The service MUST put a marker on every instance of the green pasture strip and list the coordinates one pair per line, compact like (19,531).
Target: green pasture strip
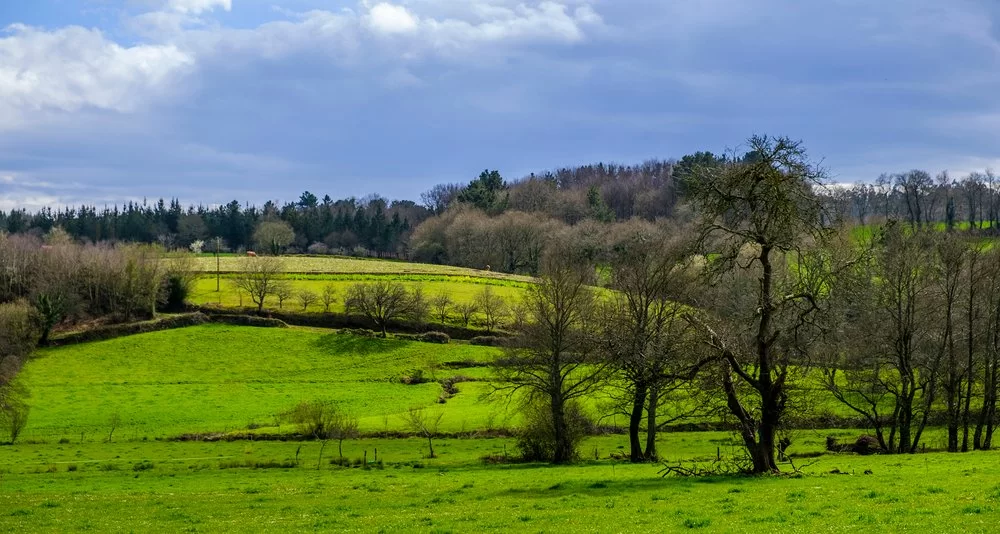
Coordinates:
(349,265)
(170,487)
(460,291)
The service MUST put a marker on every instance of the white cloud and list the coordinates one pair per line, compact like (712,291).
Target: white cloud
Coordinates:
(74,68)
(29,201)
(390,18)
(196,7)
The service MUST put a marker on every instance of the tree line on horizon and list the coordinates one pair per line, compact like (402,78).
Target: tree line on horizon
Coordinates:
(450,219)
(755,282)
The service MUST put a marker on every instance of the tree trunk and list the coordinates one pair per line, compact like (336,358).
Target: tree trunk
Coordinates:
(635,422)
(653,404)
(563,452)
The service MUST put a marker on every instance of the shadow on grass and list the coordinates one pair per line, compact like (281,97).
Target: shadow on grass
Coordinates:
(338,344)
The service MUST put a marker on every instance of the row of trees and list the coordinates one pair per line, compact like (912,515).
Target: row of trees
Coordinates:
(760,297)
(380,301)
(920,199)
(373,224)
(43,285)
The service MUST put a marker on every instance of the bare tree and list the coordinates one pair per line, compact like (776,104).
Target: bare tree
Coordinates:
(328,297)
(916,186)
(442,305)
(324,421)
(283,291)
(552,360)
(493,308)
(467,310)
(257,277)
(759,213)
(642,330)
(424,424)
(889,375)
(306,298)
(383,301)
(114,421)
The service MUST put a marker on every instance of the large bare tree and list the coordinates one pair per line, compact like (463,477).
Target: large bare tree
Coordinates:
(759,214)
(552,360)
(259,278)
(382,301)
(642,331)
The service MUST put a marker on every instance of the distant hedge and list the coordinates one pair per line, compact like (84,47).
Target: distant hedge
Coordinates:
(249,320)
(111,331)
(342,321)
(489,341)
(101,333)
(427,337)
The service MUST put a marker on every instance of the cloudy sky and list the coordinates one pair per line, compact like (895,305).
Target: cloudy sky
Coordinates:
(214,100)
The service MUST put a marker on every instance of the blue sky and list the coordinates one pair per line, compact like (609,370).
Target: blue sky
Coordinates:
(213,100)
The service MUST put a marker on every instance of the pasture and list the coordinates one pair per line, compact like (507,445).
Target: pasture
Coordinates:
(349,265)
(460,289)
(256,486)
(64,473)
(216,378)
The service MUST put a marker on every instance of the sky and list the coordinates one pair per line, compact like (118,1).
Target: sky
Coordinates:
(104,101)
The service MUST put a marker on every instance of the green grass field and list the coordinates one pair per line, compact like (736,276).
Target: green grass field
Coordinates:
(217,378)
(460,289)
(170,487)
(63,474)
(348,265)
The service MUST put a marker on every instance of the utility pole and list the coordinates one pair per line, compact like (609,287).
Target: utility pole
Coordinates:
(218,268)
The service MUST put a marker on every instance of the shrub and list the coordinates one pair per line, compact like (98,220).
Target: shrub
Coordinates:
(435,337)
(249,320)
(144,465)
(488,341)
(363,332)
(176,288)
(415,377)
(536,437)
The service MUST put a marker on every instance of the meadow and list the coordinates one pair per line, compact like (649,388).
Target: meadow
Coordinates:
(258,486)
(460,289)
(349,265)
(64,473)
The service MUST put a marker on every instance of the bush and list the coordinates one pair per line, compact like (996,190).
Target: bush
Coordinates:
(249,320)
(489,341)
(362,332)
(144,465)
(536,437)
(435,337)
(415,377)
(176,288)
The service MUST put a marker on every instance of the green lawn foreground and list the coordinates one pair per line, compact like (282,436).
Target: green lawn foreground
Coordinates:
(200,487)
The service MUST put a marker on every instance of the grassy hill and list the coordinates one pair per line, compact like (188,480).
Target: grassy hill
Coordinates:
(217,378)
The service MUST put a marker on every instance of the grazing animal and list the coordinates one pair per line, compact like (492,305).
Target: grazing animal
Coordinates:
(251,253)
(487,267)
